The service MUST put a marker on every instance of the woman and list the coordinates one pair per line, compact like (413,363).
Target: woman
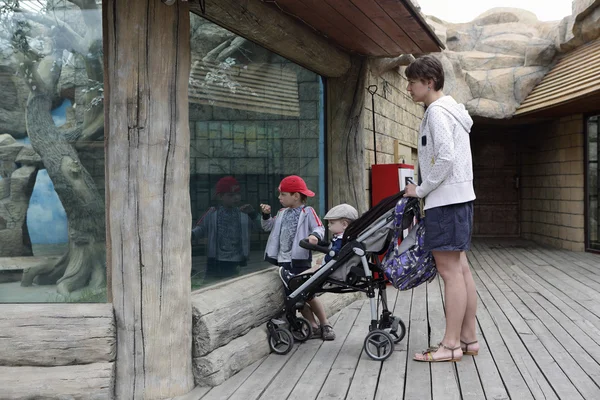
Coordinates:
(446,169)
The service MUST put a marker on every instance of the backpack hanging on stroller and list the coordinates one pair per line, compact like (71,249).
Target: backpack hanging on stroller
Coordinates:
(408,265)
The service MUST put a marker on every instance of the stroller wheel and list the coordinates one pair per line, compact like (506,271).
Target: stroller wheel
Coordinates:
(301,329)
(397,332)
(379,345)
(281,341)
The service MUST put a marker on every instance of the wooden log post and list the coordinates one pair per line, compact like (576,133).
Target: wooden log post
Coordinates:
(348,178)
(147,54)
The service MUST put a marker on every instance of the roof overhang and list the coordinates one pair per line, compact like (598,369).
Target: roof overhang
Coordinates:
(377,28)
(571,86)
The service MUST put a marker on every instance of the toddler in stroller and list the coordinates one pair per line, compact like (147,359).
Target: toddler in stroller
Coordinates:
(355,267)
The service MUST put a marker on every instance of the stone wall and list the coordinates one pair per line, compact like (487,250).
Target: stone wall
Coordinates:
(397,121)
(552,193)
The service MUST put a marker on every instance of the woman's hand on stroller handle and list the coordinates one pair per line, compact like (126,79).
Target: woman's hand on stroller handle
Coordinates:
(410,190)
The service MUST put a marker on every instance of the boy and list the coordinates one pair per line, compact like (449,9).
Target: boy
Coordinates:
(294,222)
(228,227)
(339,217)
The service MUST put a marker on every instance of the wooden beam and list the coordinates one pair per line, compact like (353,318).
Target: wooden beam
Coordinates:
(345,137)
(148,58)
(78,382)
(56,334)
(278,32)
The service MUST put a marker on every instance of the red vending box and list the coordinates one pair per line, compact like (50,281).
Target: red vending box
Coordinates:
(389,179)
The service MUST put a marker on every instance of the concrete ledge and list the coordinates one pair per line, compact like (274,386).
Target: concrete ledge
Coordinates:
(228,323)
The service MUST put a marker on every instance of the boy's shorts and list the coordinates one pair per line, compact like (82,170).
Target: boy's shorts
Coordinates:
(295,271)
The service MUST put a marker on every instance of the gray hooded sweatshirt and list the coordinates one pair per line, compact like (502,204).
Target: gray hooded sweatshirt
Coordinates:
(445,157)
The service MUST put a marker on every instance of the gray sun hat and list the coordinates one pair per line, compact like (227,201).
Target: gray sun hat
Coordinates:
(342,211)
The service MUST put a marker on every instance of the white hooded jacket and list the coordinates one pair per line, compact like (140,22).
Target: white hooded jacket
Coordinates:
(445,157)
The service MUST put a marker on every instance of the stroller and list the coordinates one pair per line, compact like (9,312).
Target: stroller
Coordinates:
(356,267)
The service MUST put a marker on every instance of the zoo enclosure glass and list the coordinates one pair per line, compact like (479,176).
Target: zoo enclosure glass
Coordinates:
(255,117)
(52,225)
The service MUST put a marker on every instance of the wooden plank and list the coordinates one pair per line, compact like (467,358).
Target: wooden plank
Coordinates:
(364,371)
(282,386)
(469,378)
(567,315)
(569,286)
(410,25)
(327,24)
(254,386)
(444,381)
(21,263)
(256,21)
(77,382)
(559,344)
(147,51)
(365,24)
(578,314)
(521,340)
(392,28)
(309,385)
(393,371)
(196,394)
(495,356)
(56,334)
(418,375)
(226,389)
(344,24)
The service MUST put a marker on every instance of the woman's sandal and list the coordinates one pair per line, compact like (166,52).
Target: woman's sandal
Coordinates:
(429,354)
(466,351)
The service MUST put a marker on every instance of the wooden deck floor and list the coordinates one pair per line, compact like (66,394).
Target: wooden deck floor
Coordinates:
(539,330)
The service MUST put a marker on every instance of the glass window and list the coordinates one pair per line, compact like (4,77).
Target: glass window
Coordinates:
(593,230)
(52,229)
(255,118)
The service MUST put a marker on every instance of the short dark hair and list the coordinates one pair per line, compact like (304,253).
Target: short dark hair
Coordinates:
(425,68)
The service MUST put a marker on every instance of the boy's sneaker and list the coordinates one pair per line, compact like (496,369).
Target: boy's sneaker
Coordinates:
(327,332)
(285,276)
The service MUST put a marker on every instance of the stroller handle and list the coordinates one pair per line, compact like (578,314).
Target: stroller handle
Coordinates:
(305,244)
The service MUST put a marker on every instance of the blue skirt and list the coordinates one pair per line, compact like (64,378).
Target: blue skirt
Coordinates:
(449,228)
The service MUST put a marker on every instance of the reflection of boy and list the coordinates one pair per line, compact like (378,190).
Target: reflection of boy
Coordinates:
(227,227)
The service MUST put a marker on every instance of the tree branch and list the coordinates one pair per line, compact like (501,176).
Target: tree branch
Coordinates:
(93,20)
(75,40)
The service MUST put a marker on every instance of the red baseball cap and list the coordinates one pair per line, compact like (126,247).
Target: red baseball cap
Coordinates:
(293,184)
(228,184)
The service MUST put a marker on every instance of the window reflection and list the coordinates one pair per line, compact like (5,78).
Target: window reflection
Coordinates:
(255,118)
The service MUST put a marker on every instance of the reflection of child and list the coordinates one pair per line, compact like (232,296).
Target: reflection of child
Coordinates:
(227,227)
(294,222)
